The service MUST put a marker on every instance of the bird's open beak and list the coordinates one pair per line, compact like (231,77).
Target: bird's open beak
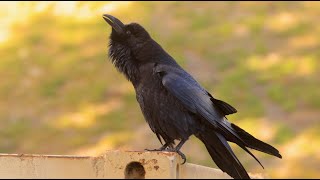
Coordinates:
(115,23)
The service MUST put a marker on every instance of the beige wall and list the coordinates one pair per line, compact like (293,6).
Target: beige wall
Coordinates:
(110,165)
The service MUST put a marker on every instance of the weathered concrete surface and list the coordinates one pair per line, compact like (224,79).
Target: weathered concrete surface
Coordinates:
(156,164)
(112,164)
(193,171)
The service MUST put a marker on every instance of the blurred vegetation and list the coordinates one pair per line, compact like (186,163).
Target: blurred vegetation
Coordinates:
(61,95)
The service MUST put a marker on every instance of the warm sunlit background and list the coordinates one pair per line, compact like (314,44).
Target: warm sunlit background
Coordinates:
(59,94)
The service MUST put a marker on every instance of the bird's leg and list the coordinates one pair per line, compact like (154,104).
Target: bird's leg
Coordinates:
(160,149)
(177,150)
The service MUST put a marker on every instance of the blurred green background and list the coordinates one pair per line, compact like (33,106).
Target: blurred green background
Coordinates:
(59,93)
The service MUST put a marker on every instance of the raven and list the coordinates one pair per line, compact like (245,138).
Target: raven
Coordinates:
(174,104)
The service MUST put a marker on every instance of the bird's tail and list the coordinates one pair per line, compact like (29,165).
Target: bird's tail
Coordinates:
(248,140)
(222,154)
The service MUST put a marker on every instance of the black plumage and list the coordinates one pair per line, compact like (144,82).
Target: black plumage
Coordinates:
(173,103)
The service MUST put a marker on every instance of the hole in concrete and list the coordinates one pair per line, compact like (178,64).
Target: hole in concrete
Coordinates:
(134,170)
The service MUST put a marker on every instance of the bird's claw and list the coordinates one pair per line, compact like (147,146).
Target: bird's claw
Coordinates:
(180,153)
(182,156)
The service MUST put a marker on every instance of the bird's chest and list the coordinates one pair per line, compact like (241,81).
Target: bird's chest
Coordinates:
(150,92)
(152,96)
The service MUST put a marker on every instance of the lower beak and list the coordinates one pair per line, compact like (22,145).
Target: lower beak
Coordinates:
(115,23)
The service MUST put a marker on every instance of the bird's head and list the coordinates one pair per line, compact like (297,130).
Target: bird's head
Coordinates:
(131,36)
(127,46)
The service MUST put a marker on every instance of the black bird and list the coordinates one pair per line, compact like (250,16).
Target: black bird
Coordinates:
(174,104)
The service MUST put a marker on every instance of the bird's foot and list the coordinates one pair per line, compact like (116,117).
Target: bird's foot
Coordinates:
(180,153)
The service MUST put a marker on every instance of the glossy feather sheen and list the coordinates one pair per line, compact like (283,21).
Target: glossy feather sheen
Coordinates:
(175,105)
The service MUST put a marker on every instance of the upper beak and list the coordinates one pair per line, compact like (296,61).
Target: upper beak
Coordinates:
(115,23)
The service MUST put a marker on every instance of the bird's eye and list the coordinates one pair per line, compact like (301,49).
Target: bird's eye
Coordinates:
(128,32)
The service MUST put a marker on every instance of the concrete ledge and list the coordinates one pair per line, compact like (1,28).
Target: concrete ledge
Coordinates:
(112,164)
